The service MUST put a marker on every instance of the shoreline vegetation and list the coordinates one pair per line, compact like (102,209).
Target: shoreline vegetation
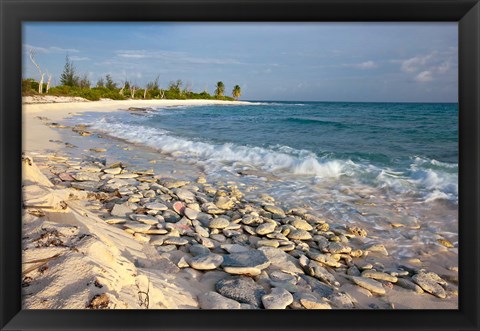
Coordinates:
(73,85)
(103,235)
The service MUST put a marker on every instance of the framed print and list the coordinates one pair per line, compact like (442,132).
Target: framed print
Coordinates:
(241,165)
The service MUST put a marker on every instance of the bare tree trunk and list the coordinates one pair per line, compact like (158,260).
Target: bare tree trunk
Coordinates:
(123,87)
(32,58)
(132,92)
(145,93)
(48,82)
(162,94)
(40,85)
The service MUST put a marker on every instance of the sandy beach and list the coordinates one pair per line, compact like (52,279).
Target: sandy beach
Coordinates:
(98,234)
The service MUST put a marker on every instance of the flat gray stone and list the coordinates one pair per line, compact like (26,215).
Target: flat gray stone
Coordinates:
(191,213)
(234,248)
(206,261)
(379,276)
(278,298)
(299,235)
(301,225)
(430,284)
(86,186)
(156,206)
(213,300)
(406,284)
(185,195)
(316,270)
(249,263)
(277,212)
(369,284)
(121,210)
(219,223)
(138,227)
(242,289)
(281,260)
(86,176)
(146,219)
(323,258)
(175,241)
(320,288)
(198,250)
(265,228)
(224,203)
(309,301)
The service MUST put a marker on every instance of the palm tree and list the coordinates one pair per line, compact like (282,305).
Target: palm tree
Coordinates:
(220,89)
(236,92)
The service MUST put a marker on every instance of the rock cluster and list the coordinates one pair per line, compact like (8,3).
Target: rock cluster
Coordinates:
(272,258)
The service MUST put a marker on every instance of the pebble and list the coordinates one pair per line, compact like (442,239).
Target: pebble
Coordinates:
(278,298)
(407,284)
(191,213)
(242,289)
(175,241)
(302,225)
(179,207)
(196,250)
(324,258)
(234,248)
(429,283)
(265,228)
(185,195)
(379,248)
(201,231)
(126,176)
(219,223)
(121,210)
(379,276)
(369,284)
(211,208)
(299,235)
(206,261)
(213,300)
(138,227)
(277,212)
(156,206)
(112,171)
(224,203)
(445,243)
(150,220)
(245,263)
(115,220)
(309,301)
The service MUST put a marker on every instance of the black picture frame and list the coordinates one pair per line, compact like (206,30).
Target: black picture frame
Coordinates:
(465,12)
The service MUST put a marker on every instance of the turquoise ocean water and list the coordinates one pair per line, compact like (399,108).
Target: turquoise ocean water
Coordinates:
(371,164)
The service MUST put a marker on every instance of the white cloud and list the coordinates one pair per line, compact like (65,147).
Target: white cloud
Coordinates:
(366,65)
(424,76)
(414,64)
(50,49)
(444,67)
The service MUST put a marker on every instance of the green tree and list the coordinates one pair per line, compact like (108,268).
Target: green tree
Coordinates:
(109,83)
(220,89)
(236,92)
(68,76)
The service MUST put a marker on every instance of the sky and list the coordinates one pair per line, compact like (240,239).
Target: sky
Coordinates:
(366,62)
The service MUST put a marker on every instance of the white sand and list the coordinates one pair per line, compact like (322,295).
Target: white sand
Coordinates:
(36,136)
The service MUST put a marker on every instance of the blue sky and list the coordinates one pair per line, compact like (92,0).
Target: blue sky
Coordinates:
(410,62)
